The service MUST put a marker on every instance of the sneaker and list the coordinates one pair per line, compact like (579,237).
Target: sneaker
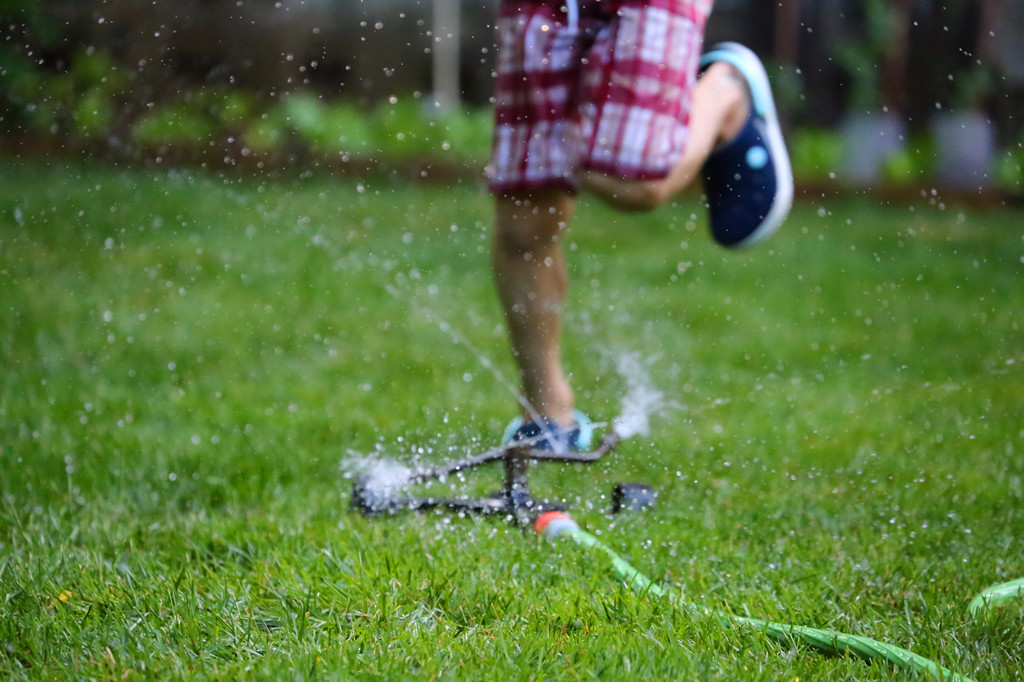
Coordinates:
(548,436)
(748,181)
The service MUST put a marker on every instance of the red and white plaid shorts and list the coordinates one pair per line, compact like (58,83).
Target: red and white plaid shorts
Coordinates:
(600,85)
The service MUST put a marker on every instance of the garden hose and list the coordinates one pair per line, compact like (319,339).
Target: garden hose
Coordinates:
(995,596)
(559,524)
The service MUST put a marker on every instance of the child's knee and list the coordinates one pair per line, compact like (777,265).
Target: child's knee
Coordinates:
(519,237)
(651,194)
(526,225)
(632,195)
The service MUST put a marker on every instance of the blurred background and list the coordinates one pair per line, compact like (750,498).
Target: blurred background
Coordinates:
(874,93)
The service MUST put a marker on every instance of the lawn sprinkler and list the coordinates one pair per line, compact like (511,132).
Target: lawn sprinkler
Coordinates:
(373,494)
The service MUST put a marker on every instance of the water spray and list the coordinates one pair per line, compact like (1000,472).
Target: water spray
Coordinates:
(372,495)
(384,489)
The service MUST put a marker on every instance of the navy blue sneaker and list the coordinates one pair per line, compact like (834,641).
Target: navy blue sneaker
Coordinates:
(547,436)
(748,181)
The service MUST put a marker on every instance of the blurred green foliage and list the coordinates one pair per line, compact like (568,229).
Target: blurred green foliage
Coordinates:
(85,99)
(864,58)
(85,96)
(1010,170)
(913,163)
(403,129)
(197,117)
(80,102)
(816,153)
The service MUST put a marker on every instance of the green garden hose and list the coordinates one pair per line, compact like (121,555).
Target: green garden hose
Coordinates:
(559,524)
(994,597)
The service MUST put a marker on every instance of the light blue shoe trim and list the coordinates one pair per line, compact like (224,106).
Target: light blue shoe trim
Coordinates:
(584,440)
(511,429)
(748,64)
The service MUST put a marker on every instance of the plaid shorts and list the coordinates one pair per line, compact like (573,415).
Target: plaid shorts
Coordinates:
(600,85)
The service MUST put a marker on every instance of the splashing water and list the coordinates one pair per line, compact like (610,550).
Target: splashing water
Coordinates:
(380,477)
(379,480)
(461,340)
(642,398)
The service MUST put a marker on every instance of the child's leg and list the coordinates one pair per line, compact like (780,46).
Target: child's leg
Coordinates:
(720,108)
(733,142)
(529,269)
(532,175)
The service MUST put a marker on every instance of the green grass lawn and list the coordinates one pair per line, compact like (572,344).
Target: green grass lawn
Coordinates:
(194,367)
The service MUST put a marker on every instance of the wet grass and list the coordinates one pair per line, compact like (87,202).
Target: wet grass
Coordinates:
(192,363)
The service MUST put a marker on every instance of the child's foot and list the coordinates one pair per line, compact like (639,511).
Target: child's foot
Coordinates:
(748,181)
(548,436)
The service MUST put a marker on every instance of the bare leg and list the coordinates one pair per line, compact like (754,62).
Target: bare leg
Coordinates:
(529,269)
(720,109)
